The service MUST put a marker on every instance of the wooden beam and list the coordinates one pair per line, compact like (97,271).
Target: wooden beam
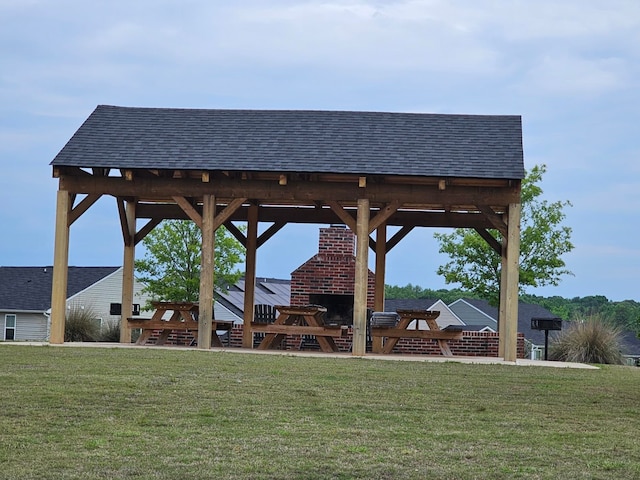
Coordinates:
(270,232)
(228,211)
(236,232)
(494,218)
(60,268)
(205,316)
(383,215)
(295,190)
(399,235)
(296,214)
(122,215)
(129,255)
(359,342)
(490,239)
(82,207)
(189,209)
(343,215)
(509,333)
(250,276)
(381,261)
(146,229)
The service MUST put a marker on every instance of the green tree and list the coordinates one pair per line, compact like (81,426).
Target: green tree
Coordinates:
(170,268)
(543,241)
(414,291)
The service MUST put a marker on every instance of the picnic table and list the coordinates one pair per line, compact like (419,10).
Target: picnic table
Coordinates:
(184,317)
(291,320)
(385,338)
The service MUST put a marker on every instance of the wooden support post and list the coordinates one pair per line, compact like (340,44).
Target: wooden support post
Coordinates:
(381,261)
(502,312)
(60,268)
(250,275)
(509,287)
(127,270)
(359,345)
(205,316)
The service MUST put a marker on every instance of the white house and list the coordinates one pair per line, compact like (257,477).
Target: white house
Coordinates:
(25,298)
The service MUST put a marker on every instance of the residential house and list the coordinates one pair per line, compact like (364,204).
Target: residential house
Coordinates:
(25,298)
(447,316)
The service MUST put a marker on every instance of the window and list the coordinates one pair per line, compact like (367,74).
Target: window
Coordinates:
(9,327)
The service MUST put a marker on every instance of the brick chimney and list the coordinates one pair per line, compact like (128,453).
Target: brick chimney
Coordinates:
(328,277)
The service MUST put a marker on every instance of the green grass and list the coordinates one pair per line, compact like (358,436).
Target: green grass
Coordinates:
(144,413)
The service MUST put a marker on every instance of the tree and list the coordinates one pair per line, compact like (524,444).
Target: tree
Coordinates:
(414,291)
(170,268)
(543,241)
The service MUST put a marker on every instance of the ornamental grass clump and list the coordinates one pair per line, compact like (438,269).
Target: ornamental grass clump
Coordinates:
(81,324)
(110,332)
(588,340)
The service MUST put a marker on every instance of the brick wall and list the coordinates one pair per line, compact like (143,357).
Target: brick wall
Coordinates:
(473,344)
(331,271)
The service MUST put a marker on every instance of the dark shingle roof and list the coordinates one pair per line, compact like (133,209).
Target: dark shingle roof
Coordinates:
(395,304)
(29,288)
(471,146)
(526,311)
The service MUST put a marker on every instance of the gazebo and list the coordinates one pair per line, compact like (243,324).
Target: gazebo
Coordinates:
(366,170)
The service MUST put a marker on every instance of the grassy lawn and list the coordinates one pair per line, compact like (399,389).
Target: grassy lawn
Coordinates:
(143,413)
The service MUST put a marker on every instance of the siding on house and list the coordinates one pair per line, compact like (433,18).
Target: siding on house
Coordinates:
(471,315)
(220,312)
(30,326)
(446,317)
(101,294)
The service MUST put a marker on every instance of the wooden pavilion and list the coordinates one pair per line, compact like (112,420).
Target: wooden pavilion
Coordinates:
(367,170)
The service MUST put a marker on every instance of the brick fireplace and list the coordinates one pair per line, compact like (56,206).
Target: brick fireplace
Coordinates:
(328,278)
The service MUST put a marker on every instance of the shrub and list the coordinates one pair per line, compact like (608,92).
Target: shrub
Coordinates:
(110,332)
(588,340)
(80,325)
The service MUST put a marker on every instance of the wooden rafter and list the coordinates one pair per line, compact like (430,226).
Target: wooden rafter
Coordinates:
(490,239)
(383,215)
(146,229)
(399,235)
(228,211)
(494,218)
(342,214)
(189,209)
(77,211)
(236,232)
(269,232)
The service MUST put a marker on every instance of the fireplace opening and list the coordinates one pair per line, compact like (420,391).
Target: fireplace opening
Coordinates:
(339,307)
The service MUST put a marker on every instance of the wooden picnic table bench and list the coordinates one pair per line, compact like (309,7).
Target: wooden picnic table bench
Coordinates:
(385,338)
(184,317)
(299,321)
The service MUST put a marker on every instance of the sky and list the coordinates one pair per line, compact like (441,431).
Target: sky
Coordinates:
(571,69)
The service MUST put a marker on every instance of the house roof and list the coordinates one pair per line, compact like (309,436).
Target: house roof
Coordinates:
(29,288)
(395,304)
(268,291)
(526,311)
(469,146)
(630,343)
(472,315)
